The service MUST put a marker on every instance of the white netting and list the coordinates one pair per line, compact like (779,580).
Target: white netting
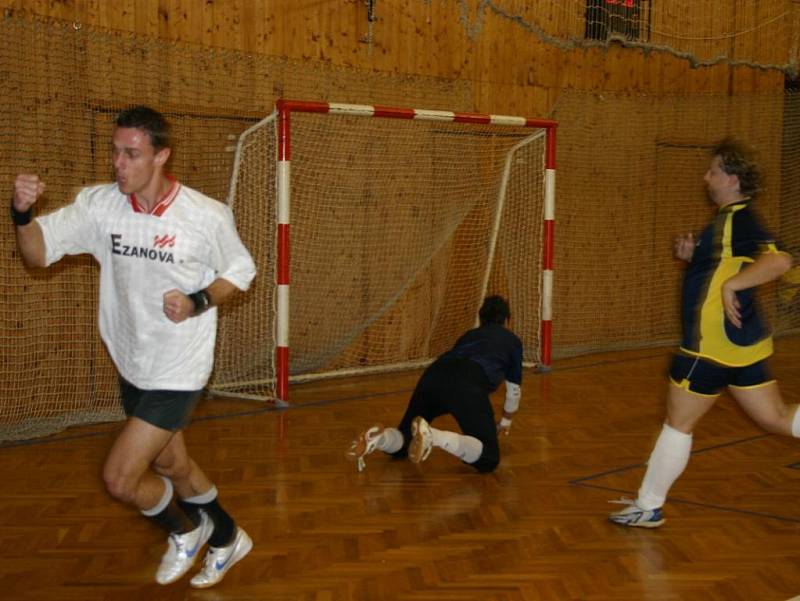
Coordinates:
(631,179)
(62,87)
(630,169)
(392,226)
(761,33)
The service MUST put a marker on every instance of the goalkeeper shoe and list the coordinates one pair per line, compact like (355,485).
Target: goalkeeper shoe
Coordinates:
(636,517)
(422,441)
(364,444)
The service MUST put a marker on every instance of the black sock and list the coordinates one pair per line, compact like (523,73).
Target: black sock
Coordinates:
(192,511)
(173,519)
(224,526)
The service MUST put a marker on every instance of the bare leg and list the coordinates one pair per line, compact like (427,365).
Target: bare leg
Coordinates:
(173,462)
(765,406)
(127,473)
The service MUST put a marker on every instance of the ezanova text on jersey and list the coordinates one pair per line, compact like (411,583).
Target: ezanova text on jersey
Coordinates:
(118,248)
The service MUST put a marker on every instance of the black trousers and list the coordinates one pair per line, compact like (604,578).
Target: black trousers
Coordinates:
(459,387)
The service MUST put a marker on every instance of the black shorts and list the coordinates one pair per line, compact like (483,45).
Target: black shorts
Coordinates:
(708,378)
(459,387)
(165,409)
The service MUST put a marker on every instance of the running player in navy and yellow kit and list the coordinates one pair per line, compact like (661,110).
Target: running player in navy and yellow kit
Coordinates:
(725,341)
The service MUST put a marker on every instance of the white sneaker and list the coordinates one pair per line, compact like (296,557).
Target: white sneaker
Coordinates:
(182,550)
(422,443)
(635,516)
(364,444)
(220,559)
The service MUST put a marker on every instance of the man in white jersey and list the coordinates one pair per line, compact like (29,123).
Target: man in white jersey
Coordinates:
(168,257)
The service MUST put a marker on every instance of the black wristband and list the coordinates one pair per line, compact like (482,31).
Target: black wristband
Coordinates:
(201,300)
(21,218)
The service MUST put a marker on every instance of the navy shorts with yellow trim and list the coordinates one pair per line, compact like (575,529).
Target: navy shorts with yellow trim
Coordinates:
(166,409)
(708,378)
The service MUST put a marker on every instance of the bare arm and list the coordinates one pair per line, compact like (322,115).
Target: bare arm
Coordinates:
(178,306)
(30,240)
(768,267)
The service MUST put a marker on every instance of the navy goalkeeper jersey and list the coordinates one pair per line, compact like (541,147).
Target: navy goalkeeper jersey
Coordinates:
(496,349)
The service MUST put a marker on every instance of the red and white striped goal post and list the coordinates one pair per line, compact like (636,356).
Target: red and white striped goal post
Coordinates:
(284,110)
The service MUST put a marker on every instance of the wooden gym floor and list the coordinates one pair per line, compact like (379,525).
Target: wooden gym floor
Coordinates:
(534,529)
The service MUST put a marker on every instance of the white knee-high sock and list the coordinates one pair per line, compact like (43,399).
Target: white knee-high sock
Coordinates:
(390,441)
(666,463)
(466,448)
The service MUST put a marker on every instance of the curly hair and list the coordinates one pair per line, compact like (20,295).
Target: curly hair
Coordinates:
(737,159)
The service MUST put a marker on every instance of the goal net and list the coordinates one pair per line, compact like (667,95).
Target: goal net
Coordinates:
(401,222)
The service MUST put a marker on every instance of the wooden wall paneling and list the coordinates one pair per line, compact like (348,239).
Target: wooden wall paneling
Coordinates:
(433,38)
(460,52)
(259,23)
(673,75)
(741,46)
(555,67)
(145,18)
(770,38)
(457,54)
(179,22)
(652,72)
(398,45)
(586,68)
(702,77)
(526,101)
(123,15)
(345,33)
(289,38)
(352,44)
(509,70)
(619,67)
(520,61)
(720,78)
(486,57)
(312,28)
(274,43)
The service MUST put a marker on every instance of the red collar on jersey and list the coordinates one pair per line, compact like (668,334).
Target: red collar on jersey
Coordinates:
(163,203)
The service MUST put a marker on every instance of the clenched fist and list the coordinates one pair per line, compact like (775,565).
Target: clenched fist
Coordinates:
(27,190)
(177,306)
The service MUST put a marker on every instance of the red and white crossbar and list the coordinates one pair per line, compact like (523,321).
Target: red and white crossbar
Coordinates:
(285,108)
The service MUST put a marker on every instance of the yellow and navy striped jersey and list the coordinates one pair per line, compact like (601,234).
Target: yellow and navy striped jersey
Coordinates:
(732,241)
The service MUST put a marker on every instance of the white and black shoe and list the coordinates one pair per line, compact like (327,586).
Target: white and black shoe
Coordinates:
(182,551)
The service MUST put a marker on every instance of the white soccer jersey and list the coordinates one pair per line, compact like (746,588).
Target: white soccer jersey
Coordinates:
(185,243)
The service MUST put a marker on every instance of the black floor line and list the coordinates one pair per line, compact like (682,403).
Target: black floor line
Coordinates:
(586,479)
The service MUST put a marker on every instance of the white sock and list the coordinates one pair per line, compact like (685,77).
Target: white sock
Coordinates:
(666,463)
(204,498)
(390,441)
(166,497)
(796,422)
(466,448)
